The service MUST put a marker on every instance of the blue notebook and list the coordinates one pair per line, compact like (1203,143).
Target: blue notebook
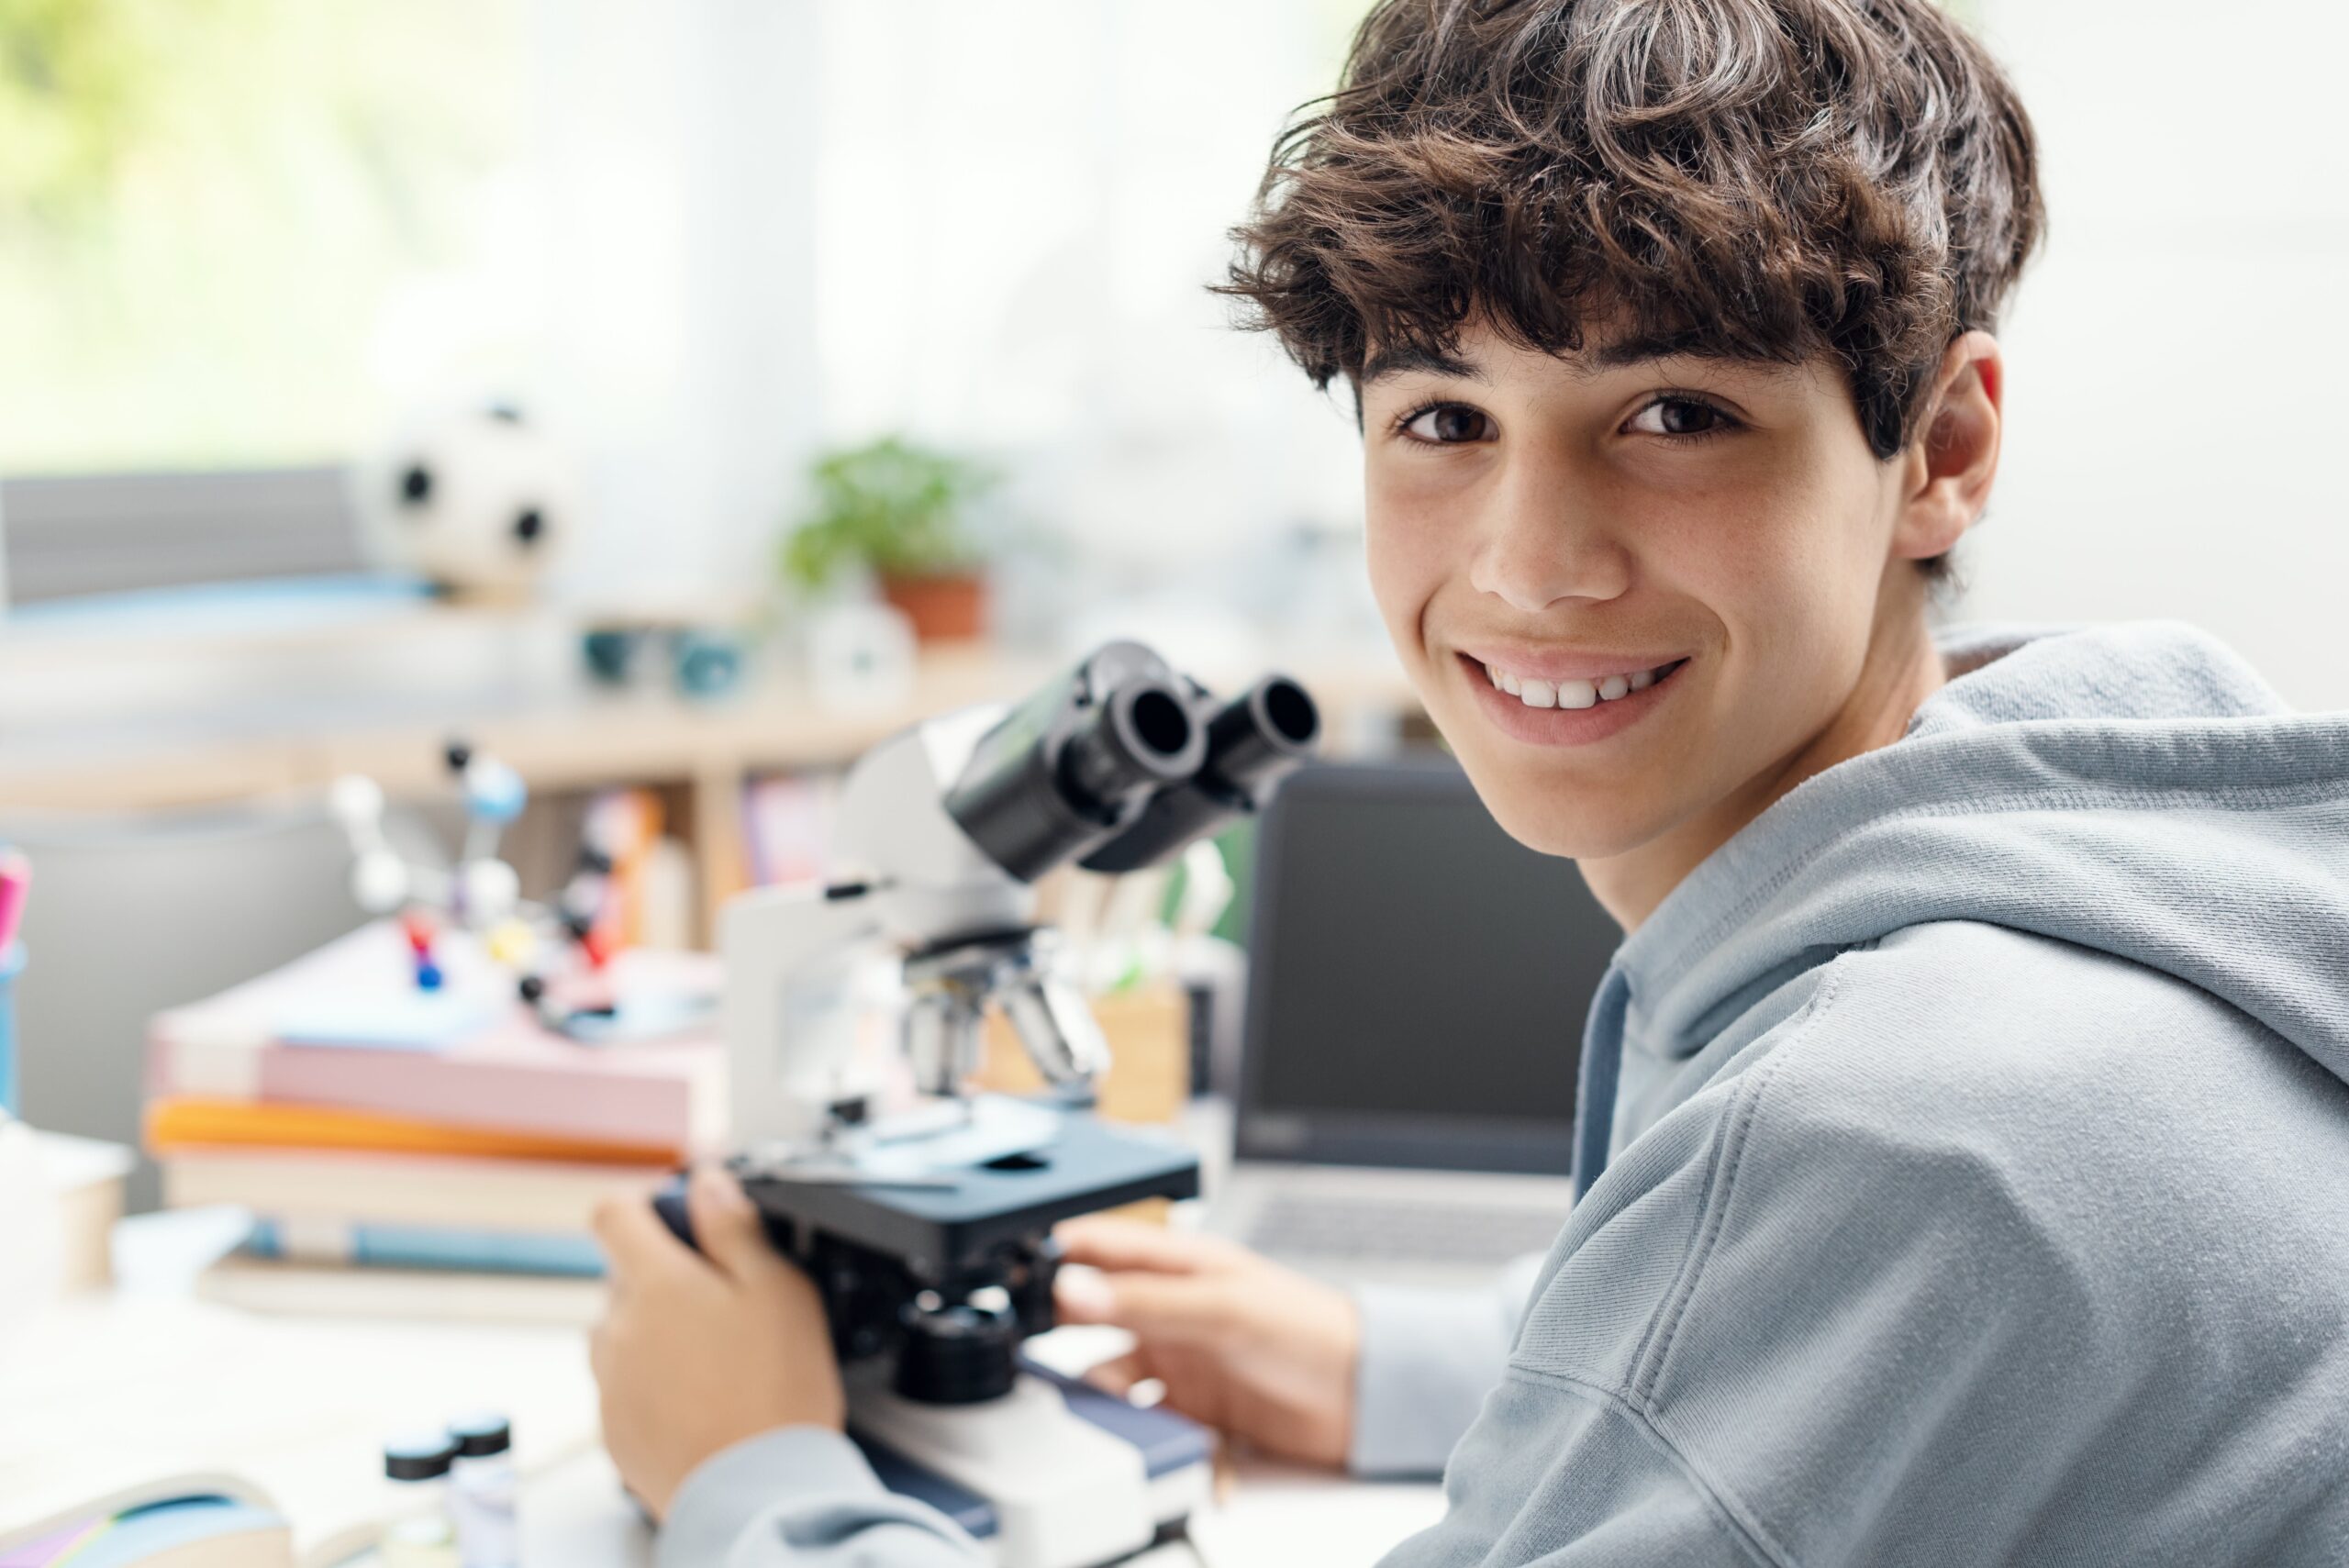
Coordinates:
(185,1532)
(441,1246)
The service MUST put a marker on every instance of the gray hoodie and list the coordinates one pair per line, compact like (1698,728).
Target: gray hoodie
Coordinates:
(1962,1165)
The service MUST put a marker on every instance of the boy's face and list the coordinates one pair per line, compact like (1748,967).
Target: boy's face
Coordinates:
(1711,538)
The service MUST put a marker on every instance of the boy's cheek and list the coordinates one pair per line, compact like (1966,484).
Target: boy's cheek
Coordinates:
(1406,570)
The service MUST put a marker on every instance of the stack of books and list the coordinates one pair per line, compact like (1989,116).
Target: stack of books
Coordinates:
(362,1121)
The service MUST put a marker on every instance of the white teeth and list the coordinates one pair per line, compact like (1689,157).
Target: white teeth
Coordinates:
(1536,692)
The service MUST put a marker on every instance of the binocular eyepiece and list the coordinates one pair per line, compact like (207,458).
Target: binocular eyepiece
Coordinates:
(1123,763)
(1253,742)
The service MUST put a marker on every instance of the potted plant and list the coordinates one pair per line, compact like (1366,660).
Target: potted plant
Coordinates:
(904,512)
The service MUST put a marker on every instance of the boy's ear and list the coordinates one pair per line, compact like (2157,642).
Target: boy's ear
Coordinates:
(1951,464)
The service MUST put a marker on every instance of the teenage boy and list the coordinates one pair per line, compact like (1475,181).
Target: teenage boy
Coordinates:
(1964,1161)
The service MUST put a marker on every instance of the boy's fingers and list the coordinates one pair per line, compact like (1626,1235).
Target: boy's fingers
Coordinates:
(1120,1373)
(636,1243)
(599,1351)
(1171,1308)
(1126,1244)
(726,1226)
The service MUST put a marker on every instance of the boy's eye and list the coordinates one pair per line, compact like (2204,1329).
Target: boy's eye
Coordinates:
(1447,424)
(1679,417)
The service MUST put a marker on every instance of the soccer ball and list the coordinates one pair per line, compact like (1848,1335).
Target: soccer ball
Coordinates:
(477,502)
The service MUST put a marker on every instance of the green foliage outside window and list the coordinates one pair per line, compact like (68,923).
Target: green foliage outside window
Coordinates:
(207,205)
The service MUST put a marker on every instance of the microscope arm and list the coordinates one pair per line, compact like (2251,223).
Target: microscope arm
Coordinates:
(789,1016)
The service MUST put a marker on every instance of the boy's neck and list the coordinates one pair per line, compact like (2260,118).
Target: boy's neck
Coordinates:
(1903,668)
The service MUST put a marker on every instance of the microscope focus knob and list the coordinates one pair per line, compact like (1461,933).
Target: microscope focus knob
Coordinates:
(1032,1285)
(958,1353)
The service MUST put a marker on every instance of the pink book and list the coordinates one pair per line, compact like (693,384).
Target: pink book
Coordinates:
(346,1026)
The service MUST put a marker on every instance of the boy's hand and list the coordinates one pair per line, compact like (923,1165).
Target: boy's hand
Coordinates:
(698,1351)
(1241,1344)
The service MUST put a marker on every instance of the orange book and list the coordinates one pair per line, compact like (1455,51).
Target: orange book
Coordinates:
(180,1122)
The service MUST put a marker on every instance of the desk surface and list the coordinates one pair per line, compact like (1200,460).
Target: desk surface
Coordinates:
(111,1389)
(105,1391)
(1273,1518)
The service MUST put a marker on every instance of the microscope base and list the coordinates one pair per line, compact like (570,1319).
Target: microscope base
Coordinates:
(1053,1474)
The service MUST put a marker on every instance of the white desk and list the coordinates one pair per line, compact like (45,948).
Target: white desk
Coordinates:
(110,1389)
(1275,1517)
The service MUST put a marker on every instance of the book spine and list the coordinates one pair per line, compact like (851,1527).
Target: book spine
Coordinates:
(177,1123)
(604,1105)
(427,1247)
(420,1190)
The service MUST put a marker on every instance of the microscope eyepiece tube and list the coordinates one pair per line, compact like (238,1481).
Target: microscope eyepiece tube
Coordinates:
(1141,739)
(1078,762)
(1263,734)
(1257,739)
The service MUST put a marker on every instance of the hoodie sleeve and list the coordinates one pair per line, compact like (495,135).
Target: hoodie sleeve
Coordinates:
(1428,1357)
(804,1497)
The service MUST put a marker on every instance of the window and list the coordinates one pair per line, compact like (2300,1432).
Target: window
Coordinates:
(235,236)
(240,240)
(239,233)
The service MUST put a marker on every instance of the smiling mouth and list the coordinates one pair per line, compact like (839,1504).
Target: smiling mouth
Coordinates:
(1534,692)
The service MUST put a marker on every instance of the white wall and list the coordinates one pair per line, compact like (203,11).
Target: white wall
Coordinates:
(1021,206)
(2177,354)
(676,169)
(776,223)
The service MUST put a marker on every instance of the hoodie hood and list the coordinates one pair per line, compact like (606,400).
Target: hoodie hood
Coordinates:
(2132,788)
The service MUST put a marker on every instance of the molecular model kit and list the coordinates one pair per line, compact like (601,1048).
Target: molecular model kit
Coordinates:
(565,944)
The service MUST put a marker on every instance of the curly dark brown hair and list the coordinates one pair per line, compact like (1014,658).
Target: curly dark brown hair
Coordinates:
(1761,179)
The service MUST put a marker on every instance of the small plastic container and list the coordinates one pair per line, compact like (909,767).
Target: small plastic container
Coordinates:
(482,1492)
(421,1535)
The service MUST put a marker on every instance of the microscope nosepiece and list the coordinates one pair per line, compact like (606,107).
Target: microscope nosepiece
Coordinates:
(1059,1032)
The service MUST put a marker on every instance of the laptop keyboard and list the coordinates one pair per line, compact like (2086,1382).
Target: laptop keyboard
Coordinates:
(1297,1225)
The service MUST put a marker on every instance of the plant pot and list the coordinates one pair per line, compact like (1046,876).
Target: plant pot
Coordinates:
(951,608)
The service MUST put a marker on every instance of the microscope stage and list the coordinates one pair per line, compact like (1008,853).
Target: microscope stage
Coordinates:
(942,1231)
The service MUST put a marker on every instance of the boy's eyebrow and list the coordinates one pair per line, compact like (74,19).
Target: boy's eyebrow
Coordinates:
(1407,357)
(1660,348)
(1639,348)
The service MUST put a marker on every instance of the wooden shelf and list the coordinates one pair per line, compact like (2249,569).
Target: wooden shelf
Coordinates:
(574,736)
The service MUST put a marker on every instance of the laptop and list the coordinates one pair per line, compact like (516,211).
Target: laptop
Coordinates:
(1418,984)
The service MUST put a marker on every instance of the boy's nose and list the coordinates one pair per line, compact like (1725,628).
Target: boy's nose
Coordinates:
(1540,540)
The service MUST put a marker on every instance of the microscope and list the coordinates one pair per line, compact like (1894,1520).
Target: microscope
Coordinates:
(853,1018)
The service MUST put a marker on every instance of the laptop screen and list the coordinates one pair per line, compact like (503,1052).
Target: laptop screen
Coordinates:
(1418,979)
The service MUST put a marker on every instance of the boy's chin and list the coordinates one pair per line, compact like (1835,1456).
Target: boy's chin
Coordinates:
(1576,830)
